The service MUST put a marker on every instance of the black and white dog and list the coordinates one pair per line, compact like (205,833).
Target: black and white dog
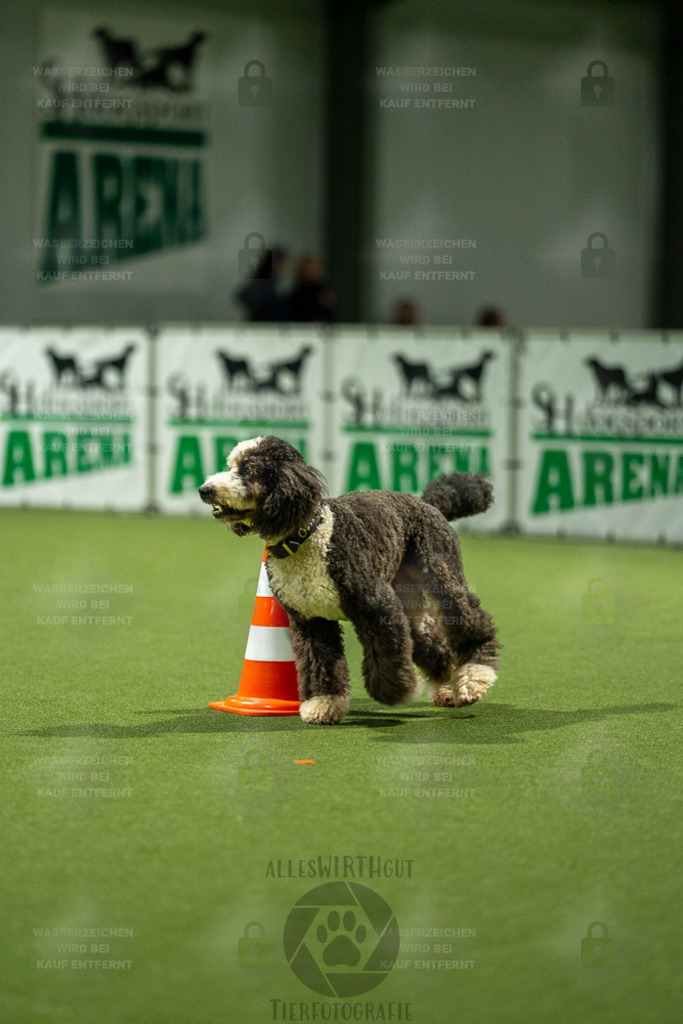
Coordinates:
(387,562)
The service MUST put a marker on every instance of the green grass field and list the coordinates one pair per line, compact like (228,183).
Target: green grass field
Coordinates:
(132,822)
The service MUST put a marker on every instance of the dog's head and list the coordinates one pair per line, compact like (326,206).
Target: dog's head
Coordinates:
(267,489)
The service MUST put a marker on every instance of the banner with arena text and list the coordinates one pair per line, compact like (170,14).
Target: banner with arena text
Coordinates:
(73,430)
(595,448)
(601,435)
(409,406)
(221,385)
(122,113)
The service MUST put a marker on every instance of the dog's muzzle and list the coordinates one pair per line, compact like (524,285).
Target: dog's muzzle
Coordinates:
(232,517)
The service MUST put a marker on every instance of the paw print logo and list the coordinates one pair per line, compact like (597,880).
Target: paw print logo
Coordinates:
(341,939)
(341,950)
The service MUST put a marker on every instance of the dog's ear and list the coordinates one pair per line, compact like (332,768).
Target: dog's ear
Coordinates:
(290,499)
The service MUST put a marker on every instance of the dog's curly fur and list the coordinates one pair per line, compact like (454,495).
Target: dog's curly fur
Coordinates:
(387,562)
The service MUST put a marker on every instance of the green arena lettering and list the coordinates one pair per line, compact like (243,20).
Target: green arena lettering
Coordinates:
(408,467)
(188,468)
(587,478)
(64,214)
(404,469)
(364,468)
(222,447)
(151,202)
(55,446)
(55,454)
(18,458)
(198,456)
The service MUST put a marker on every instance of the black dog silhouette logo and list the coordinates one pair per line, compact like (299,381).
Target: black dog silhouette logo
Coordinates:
(615,385)
(462,383)
(341,939)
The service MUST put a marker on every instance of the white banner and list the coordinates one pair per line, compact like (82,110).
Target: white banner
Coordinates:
(221,385)
(602,435)
(72,418)
(598,450)
(408,408)
(122,111)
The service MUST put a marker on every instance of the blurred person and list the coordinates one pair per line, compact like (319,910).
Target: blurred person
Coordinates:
(491,316)
(263,301)
(405,312)
(311,299)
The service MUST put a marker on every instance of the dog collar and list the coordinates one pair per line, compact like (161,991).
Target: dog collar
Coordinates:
(290,545)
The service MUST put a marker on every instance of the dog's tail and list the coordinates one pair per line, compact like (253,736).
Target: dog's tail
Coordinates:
(457,495)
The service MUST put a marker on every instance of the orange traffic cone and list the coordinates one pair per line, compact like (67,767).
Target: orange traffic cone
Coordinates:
(268,684)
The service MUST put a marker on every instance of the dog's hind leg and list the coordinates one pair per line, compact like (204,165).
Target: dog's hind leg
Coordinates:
(452,683)
(383,629)
(474,669)
(471,637)
(473,680)
(431,653)
(322,670)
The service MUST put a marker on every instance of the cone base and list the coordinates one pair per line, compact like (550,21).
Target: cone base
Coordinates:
(266,688)
(257,705)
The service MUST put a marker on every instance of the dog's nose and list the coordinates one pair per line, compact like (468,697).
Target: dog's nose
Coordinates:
(205,491)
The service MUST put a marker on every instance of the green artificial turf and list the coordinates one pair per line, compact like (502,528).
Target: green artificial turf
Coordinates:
(511,825)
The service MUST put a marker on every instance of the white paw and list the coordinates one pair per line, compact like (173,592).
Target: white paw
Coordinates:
(466,685)
(472,682)
(324,710)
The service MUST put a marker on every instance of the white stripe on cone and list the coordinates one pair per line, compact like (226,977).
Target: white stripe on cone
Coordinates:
(269,643)
(263,588)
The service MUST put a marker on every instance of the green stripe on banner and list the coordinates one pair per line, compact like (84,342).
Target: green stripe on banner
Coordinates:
(49,418)
(412,429)
(279,425)
(586,438)
(121,133)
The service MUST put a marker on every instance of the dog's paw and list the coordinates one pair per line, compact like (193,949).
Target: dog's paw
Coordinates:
(324,710)
(467,685)
(444,697)
(472,682)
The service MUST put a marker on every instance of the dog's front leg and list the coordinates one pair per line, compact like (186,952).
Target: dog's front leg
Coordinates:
(321,666)
(383,629)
